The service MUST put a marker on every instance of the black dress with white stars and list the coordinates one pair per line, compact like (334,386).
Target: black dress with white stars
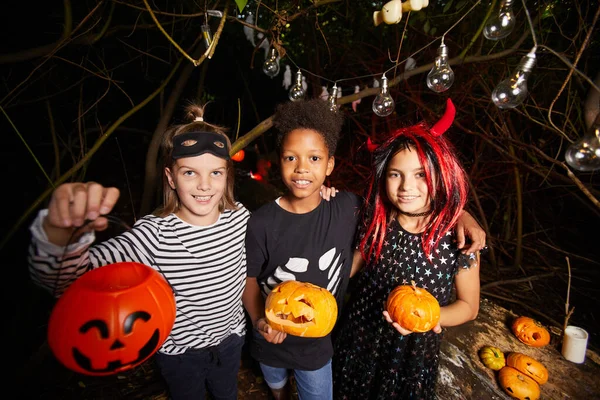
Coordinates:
(371,359)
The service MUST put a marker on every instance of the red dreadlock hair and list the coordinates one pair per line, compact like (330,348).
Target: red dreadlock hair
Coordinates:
(446,183)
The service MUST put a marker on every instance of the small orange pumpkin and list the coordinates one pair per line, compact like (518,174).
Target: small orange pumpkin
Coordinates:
(301,309)
(414,308)
(518,385)
(239,156)
(530,331)
(492,357)
(529,366)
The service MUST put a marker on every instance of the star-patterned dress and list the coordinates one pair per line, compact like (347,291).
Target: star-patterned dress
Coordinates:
(371,359)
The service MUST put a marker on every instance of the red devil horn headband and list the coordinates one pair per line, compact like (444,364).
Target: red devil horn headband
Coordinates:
(444,123)
(437,130)
(370,145)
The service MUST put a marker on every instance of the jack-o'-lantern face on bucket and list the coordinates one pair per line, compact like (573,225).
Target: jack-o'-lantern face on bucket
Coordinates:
(111,319)
(301,309)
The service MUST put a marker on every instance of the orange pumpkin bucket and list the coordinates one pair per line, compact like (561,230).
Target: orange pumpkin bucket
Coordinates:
(111,319)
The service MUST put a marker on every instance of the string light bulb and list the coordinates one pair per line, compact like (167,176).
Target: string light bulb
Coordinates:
(297,91)
(500,25)
(441,76)
(512,91)
(332,100)
(384,104)
(271,65)
(584,155)
(207,35)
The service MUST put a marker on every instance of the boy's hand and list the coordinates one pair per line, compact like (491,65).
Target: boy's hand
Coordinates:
(271,335)
(72,204)
(467,226)
(328,192)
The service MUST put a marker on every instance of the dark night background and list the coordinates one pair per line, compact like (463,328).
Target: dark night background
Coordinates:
(76,91)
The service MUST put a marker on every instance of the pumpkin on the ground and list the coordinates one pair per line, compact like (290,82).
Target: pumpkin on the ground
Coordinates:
(492,357)
(301,309)
(529,366)
(414,308)
(530,331)
(111,319)
(518,385)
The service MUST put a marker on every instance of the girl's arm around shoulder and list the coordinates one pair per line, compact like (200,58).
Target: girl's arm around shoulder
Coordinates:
(329,193)
(468,227)
(357,263)
(466,306)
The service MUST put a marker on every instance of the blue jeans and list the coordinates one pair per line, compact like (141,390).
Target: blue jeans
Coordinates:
(311,385)
(189,374)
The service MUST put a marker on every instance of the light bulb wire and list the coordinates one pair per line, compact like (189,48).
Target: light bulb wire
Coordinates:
(396,64)
(530,23)
(572,69)
(436,39)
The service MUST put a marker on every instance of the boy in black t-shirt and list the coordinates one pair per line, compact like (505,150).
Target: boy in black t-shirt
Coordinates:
(301,237)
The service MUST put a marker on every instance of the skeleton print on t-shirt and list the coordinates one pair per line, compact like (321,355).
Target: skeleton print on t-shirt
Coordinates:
(297,269)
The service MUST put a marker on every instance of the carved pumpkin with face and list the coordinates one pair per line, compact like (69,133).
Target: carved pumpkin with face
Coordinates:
(111,319)
(530,331)
(301,309)
(528,366)
(518,385)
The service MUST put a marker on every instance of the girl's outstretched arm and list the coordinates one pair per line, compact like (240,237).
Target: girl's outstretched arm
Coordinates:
(466,306)
(73,204)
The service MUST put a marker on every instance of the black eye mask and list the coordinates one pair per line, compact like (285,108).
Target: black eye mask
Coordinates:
(193,144)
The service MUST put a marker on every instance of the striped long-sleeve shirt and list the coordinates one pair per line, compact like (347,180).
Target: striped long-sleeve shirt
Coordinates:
(205,266)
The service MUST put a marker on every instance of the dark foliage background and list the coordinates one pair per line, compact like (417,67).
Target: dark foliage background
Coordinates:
(88,87)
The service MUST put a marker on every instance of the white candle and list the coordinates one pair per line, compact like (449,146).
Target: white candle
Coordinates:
(574,344)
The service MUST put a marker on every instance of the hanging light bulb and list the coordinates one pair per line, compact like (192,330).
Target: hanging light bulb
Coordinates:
(271,65)
(441,76)
(512,91)
(383,105)
(297,91)
(584,155)
(207,35)
(500,25)
(332,100)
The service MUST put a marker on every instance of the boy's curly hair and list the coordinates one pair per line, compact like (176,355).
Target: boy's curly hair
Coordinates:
(311,114)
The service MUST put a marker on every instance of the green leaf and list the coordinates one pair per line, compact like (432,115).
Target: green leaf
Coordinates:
(241,4)
(447,6)
(426,27)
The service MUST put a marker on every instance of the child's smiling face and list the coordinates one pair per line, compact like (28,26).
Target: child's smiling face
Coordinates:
(305,164)
(200,182)
(406,183)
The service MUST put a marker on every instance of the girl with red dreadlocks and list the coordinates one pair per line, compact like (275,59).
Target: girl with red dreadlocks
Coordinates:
(416,194)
